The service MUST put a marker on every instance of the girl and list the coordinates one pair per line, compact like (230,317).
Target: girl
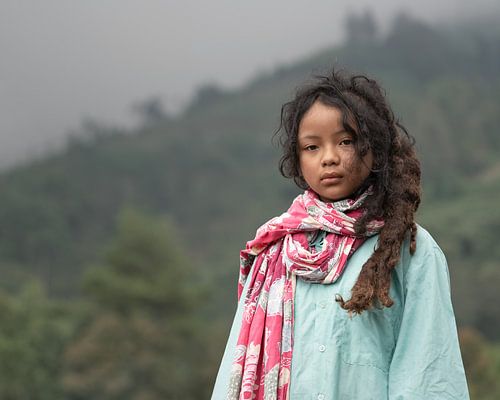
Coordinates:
(344,296)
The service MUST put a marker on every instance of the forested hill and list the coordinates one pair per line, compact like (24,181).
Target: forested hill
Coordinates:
(213,169)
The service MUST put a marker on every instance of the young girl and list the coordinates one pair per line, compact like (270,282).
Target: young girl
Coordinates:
(344,296)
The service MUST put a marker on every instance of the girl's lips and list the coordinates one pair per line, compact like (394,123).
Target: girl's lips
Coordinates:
(331,174)
(330,180)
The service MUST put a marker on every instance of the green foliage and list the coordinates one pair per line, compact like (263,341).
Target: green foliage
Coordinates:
(141,340)
(33,335)
(467,227)
(482,364)
(144,268)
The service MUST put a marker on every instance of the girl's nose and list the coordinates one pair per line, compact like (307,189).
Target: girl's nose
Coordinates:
(330,157)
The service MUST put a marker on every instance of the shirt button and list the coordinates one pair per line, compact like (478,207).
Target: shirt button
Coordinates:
(322,304)
(322,348)
(321,396)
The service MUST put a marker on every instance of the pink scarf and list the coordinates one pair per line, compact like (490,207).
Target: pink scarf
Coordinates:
(280,250)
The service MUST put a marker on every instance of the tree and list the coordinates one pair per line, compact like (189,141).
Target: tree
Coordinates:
(151,111)
(142,341)
(33,333)
(482,364)
(361,29)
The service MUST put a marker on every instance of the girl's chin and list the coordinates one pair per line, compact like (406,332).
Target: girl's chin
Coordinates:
(332,199)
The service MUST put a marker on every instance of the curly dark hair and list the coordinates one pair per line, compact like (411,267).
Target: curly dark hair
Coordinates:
(395,175)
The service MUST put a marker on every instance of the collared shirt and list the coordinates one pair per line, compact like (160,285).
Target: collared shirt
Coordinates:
(405,352)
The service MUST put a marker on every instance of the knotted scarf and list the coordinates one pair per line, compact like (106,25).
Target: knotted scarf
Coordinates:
(280,251)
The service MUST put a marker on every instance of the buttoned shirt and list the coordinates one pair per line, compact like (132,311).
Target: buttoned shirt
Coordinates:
(404,352)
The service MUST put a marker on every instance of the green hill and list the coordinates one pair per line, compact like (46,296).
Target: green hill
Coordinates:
(213,169)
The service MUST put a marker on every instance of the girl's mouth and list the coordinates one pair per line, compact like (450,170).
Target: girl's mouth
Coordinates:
(331,180)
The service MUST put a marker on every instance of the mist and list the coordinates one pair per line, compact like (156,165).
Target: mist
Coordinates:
(63,62)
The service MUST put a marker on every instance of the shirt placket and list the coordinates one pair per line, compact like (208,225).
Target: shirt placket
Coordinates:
(322,347)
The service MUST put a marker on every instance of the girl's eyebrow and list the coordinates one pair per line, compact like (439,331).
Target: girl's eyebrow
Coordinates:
(313,136)
(309,137)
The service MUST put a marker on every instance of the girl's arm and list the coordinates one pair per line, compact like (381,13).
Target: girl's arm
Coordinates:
(426,363)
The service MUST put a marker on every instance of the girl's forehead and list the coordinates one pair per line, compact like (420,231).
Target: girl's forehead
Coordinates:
(324,117)
(320,113)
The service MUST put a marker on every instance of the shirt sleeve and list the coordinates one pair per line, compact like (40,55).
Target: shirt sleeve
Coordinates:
(426,362)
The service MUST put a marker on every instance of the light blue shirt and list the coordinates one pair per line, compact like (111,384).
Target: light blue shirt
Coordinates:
(405,352)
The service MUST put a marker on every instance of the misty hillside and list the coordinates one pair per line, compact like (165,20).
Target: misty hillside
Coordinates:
(213,169)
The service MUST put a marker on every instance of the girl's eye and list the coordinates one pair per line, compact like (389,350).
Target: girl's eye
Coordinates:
(311,147)
(347,142)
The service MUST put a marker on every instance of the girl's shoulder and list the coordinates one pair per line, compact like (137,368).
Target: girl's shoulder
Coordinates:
(426,244)
(428,259)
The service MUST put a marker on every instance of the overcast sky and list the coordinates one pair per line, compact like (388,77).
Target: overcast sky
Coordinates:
(63,60)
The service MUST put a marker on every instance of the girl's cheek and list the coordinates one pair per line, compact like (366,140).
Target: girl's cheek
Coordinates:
(348,163)
(353,165)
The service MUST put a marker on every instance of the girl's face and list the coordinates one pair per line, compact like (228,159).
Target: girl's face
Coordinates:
(327,158)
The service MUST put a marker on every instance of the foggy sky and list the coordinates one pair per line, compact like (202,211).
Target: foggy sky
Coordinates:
(63,60)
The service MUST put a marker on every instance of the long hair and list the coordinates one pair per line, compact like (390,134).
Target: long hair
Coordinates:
(395,175)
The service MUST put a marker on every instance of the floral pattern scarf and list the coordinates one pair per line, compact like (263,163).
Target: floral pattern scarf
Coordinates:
(280,251)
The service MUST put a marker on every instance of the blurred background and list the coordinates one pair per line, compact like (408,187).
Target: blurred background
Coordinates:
(136,161)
